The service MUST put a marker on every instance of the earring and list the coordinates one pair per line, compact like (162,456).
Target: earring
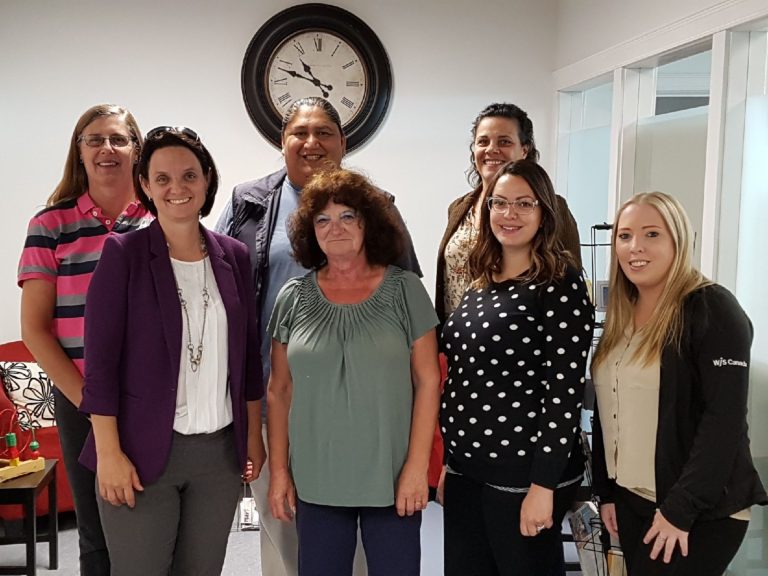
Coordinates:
(81,159)
(150,199)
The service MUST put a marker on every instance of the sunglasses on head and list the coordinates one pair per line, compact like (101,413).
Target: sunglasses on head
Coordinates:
(161,131)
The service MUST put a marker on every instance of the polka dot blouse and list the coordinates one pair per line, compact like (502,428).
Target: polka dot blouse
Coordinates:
(517,355)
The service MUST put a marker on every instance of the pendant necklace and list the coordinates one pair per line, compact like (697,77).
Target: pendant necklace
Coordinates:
(196,353)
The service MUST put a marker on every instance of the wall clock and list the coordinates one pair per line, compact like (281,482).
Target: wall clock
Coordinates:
(317,50)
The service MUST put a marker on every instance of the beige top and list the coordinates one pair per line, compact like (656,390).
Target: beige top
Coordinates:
(628,400)
(456,276)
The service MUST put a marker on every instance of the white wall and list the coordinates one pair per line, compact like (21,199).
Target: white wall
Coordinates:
(179,63)
(596,36)
(613,22)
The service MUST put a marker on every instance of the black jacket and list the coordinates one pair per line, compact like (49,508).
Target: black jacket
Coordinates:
(704,468)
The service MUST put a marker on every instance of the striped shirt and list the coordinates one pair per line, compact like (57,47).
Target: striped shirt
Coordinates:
(63,246)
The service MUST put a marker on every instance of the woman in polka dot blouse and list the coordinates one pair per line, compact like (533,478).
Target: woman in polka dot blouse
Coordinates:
(517,349)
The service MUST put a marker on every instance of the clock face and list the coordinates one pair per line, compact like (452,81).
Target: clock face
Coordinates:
(317,63)
(317,50)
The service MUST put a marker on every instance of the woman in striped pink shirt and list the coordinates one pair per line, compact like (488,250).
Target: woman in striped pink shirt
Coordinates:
(95,198)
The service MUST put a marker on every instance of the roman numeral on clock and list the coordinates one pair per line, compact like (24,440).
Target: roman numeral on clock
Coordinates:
(318,44)
(280,81)
(299,47)
(348,64)
(284,98)
(347,102)
(353,83)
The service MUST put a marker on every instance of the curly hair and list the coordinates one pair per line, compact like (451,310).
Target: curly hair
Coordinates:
(382,234)
(549,259)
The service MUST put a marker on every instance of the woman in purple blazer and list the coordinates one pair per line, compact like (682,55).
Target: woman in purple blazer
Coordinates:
(172,373)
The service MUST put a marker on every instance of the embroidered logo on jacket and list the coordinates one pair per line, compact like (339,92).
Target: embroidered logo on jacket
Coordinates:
(719,362)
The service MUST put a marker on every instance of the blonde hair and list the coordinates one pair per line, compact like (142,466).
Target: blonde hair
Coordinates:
(665,325)
(74,181)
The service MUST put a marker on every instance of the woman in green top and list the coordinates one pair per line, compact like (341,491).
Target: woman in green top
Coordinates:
(353,393)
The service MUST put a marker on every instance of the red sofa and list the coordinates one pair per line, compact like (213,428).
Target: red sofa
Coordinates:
(48,439)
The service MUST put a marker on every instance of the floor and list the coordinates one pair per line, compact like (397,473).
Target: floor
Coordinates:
(242,552)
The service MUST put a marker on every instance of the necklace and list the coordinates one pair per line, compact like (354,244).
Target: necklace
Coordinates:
(196,353)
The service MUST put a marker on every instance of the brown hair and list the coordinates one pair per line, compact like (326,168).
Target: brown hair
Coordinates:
(549,258)
(166,137)
(382,237)
(524,134)
(74,181)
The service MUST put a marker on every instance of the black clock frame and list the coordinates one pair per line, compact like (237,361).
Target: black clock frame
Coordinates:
(317,17)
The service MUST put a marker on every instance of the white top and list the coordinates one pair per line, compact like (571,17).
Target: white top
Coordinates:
(203,403)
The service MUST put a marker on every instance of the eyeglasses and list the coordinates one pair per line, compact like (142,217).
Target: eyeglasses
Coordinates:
(523,206)
(97,140)
(345,218)
(159,132)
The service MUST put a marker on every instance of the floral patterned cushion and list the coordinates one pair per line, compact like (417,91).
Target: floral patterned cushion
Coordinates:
(31,391)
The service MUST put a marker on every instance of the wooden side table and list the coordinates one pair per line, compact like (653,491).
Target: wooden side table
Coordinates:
(25,490)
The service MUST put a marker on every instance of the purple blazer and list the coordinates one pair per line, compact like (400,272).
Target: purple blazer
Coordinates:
(133,343)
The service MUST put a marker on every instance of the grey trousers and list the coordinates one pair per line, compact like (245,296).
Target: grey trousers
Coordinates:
(180,524)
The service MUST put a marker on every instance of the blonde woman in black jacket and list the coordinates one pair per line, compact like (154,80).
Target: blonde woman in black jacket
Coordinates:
(672,463)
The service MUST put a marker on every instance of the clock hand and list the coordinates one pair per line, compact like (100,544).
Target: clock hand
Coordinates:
(307,69)
(295,74)
(313,80)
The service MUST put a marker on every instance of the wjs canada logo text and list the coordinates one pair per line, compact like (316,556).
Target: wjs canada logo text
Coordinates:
(728,362)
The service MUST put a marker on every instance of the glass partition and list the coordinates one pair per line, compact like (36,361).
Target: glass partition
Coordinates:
(584,143)
(693,123)
(671,137)
(742,244)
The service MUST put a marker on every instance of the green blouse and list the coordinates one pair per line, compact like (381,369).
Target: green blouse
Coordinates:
(350,416)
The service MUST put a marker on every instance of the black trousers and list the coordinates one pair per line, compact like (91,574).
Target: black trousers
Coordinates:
(712,544)
(482,532)
(73,430)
